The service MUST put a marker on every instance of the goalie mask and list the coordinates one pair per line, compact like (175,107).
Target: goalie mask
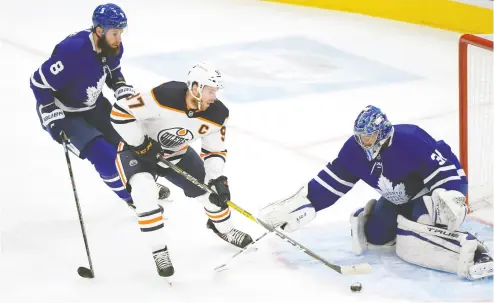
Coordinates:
(371,131)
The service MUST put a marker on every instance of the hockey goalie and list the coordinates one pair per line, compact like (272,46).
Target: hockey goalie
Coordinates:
(422,204)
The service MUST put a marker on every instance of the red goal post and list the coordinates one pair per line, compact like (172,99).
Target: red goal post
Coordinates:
(476,118)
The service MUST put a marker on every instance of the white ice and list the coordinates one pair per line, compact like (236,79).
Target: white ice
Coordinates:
(274,146)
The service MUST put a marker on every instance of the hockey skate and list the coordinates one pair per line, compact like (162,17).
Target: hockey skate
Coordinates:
(163,262)
(234,236)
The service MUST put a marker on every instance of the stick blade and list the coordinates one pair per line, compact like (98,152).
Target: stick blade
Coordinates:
(221,267)
(85,272)
(357,269)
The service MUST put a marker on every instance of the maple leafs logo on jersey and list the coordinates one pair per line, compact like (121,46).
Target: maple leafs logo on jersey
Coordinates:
(396,195)
(93,92)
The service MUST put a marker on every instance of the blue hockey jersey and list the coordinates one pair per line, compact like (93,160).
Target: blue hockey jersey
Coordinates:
(75,73)
(411,165)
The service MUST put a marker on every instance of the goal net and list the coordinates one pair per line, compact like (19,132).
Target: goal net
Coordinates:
(477,118)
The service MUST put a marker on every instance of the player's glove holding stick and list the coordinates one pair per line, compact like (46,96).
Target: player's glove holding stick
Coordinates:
(148,151)
(222,196)
(123,90)
(52,118)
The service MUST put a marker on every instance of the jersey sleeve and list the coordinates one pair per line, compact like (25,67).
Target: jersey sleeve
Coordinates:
(438,166)
(213,152)
(127,116)
(54,74)
(331,183)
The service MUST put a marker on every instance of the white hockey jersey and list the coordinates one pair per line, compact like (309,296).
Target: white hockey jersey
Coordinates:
(163,116)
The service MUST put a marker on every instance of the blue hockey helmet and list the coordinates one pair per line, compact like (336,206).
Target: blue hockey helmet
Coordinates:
(371,130)
(109,16)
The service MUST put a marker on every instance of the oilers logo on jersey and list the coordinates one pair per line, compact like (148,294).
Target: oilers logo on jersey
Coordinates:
(173,137)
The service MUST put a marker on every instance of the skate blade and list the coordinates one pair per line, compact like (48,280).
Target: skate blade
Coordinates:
(166,200)
(221,268)
(168,281)
(224,266)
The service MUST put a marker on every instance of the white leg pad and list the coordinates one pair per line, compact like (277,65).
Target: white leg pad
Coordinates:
(357,221)
(440,249)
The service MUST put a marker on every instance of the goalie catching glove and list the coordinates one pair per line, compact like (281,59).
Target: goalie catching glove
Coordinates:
(446,207)
(290,214)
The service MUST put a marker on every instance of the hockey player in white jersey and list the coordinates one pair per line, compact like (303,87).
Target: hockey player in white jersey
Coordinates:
(422,205)
(166,122)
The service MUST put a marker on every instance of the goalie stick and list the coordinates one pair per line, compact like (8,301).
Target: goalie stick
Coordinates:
(355,269)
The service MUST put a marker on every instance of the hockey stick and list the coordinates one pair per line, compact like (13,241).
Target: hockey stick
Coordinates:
(82,271)
(356,269)
(224,265)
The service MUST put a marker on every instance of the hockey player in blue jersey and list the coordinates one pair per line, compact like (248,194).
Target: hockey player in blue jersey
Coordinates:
(68,90)
(422,203)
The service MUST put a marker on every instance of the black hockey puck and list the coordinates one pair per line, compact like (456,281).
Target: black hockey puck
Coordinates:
(356,287)
(85,272)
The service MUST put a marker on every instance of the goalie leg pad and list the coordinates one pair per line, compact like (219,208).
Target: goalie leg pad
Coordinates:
(358,219)
(360,229)
(440,249)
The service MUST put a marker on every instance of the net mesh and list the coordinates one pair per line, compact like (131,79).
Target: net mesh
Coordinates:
(480,126)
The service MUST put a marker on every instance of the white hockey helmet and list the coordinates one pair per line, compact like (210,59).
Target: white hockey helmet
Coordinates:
(204,74)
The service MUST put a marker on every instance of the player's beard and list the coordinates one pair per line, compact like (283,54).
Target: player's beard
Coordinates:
(204,105)
(106,48)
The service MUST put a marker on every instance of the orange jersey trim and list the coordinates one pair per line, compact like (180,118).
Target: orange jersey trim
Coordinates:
(181,111)
(119,114)
(214,153)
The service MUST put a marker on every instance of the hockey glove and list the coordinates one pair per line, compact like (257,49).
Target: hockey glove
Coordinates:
(222,196)
(290,214)
(148,151)
(52,118)
(446,207)
(123,90)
